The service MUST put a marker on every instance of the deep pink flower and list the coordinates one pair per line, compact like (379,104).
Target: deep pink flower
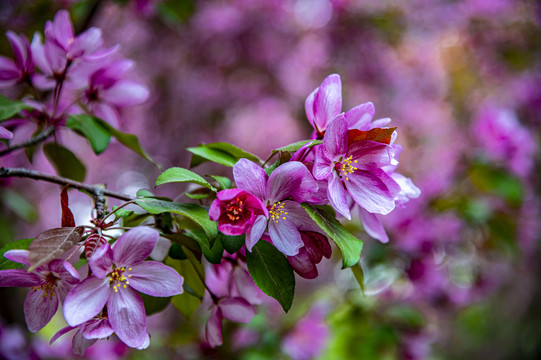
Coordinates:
(50,284)
(5,133)
(281,192)
(235,309)
(118,273)
(236,210)
(87,334)
(355,169)
(20,69)
(316,246)
(309,336)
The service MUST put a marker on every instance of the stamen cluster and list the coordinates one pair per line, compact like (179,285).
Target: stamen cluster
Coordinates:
(276,211)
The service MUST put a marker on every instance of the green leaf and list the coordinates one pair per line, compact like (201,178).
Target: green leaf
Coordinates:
(89,127)
(212,252)
(128,140)
(359,275)
(180,175)
(18,244)
(19,205)
(221,153)
(176,252)
(195,196)
(196,213)
(153,304)
(296,146)
(231,244)
(350,246)
(209,154)
(186,242)
(499,182)
(272,273)
(65,162)
(194,289)
(9,107)
(224,182)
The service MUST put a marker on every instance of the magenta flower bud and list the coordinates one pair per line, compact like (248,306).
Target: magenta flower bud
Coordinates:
(236,210)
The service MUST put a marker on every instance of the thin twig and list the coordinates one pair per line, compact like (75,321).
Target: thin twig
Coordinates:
(95,191)
(32,141)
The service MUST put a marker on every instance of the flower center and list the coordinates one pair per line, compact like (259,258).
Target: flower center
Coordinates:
(48,286)
(277,211)
(234,209)
(345,168)
(118,279)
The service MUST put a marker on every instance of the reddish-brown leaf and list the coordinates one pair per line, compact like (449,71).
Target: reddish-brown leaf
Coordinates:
(93,242)
(51,244)
(381,135)
(67,216)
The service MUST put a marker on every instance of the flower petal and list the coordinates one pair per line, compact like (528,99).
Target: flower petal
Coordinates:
(5,133)
(373,191)
(85,300)
(80,344)
(335,140)
(127,316)
(39,309)
(291,179)
(60,333)
(126,93)
(18,278)
(155,279)
(62,30)
(360,116)
(309,106)
(328,101)
(253,236)
(338,196)
(237,309)
(101,261)
(97,329)
(213,329)
(246,286)
(323,165)
(370,154)
(19,256)
(285,236)
(303,265)
(250,178)
(373,226)
(134,246)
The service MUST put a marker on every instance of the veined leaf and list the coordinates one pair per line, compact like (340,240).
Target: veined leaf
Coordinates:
(65,162)
(350,246)
(180,175)
(296,146)
(221,153)
(52,243)
(272,273)
(97,135)
(224,182)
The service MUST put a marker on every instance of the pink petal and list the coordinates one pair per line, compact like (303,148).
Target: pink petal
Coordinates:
(80,344)
(370,155)
(335,140)
(101,261)
(19,49)
(338,196)
(134,246)
(285,236)
(250,178)
(60,333)
(213,329)
(373,191)
(18,278)
(85,300)
(253,236)
(97,329)
(360,116)
(303,265)
(86,43)
(328,101)
(309,107)
(237,309)
(38,54)
(373,226)
(155,279)
(323,166)
(62,28)
(17,255)
(214,210)
(291,179)
(127,316)
(246,286)
(126,93)
(39,309)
